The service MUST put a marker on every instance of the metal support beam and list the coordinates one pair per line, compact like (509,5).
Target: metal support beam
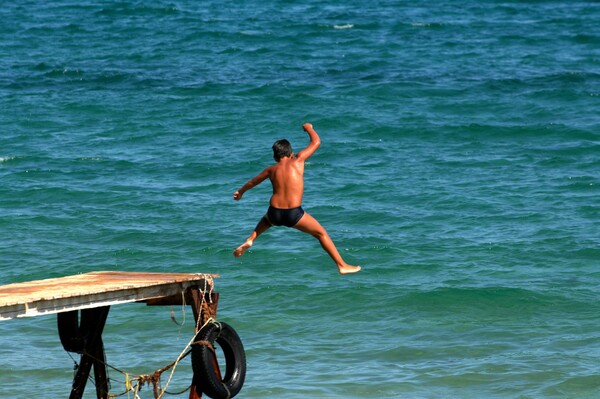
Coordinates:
(90,330)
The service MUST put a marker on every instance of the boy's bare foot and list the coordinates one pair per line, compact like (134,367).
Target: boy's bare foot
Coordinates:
(347,269)
(239,251)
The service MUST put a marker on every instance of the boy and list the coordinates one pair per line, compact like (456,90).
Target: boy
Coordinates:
(287,179)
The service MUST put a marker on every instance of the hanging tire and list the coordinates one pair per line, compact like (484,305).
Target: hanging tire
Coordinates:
(204,360)
(69,331)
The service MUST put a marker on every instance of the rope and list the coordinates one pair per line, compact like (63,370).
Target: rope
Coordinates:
(205,342)
(182,311)
(181,355)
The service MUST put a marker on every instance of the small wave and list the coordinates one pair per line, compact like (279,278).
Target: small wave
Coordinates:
(93,159)
(255,33)
(126,9)
(6,159)
(426,24)
(69,73)
(345,26)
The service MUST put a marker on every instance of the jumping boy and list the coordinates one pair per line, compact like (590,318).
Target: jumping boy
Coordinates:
(287,179)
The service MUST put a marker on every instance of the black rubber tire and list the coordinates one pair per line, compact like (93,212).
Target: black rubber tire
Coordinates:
(202,361)
(68,331)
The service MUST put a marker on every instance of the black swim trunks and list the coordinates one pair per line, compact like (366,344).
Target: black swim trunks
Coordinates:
(284,217)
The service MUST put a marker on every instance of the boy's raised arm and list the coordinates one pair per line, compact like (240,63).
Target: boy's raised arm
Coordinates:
(315,142)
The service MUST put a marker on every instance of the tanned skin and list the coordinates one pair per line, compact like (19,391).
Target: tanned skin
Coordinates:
(287,179)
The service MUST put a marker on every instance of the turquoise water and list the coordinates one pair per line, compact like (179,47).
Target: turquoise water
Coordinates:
(460,167)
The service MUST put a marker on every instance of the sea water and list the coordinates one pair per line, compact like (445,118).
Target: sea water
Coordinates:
(459,166)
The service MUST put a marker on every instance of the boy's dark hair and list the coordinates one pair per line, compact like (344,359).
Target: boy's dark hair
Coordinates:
(282,148)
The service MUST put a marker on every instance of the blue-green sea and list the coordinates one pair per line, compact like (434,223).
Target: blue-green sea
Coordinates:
(459,166)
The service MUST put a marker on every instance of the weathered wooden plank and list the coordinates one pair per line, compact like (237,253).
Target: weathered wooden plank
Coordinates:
(95,289)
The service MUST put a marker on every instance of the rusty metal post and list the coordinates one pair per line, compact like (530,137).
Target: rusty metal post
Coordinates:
(100,371)
(92,325)
(203,310)
(193,393)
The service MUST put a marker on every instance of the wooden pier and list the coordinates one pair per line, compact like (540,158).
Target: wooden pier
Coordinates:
(82,302)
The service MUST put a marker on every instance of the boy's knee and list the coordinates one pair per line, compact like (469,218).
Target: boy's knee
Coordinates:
(319,234)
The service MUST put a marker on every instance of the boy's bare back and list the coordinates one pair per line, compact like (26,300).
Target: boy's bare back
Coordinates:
(286,176)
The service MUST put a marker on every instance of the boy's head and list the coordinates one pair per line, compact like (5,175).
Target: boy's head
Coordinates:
(281,148)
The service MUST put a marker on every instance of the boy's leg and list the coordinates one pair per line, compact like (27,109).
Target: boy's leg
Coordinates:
(260,228)
(310,225)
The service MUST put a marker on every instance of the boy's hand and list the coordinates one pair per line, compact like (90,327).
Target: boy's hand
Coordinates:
(237,196)
(307,127)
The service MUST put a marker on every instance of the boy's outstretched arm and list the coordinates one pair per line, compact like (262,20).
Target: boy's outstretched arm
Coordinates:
(315,142)
(255,181)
